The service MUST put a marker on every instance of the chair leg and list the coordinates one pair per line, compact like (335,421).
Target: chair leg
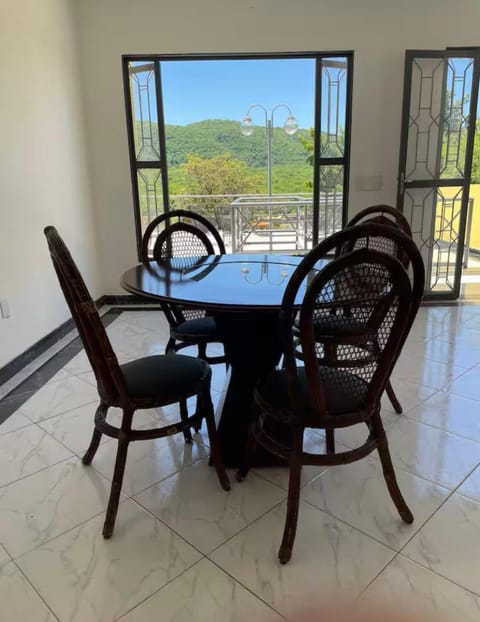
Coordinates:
(330,441)
(197,427)
(244,467)
(118,473)
(202,351)
(216,455)
(187,434)
(202,354)
(117,481)
(389,472)
(397,407)
(96,438)
(170,346)
(198,410)
(293,501)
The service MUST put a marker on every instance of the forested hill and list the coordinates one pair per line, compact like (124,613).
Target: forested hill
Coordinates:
(214,137)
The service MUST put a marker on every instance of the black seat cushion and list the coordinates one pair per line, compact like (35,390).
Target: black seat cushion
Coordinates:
(164,377)
(201,327)
(344,392)
(336,326)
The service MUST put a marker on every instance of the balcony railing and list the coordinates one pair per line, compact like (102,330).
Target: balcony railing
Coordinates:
(259,223)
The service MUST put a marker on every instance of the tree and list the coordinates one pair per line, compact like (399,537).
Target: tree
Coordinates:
(221,174)
(307,144)
(476,155)
(330,177)
(210,137)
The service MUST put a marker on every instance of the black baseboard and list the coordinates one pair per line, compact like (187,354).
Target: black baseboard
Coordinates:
(127,299)
(25,389)
(22,360)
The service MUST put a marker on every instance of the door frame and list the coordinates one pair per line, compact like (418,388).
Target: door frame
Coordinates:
(318,160)
(437,182)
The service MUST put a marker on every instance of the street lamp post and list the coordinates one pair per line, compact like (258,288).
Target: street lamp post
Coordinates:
(290,127)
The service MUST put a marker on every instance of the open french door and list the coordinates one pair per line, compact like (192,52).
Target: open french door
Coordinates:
(438,131)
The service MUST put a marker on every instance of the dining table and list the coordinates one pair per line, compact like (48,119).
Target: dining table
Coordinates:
(244,293)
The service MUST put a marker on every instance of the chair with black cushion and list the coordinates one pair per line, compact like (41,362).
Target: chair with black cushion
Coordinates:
(381,215)
(187,235)
(390,217)
(150,382)
(364,288)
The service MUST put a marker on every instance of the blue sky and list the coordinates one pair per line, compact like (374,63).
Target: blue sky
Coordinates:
(224,89)
(198,90)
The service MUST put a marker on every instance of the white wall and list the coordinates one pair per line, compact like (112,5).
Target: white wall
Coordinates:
(43,173)
(378,31)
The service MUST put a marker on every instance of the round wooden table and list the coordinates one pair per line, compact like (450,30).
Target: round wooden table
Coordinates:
(244,293)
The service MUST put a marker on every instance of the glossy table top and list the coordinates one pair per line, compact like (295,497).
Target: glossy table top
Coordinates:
(222,282)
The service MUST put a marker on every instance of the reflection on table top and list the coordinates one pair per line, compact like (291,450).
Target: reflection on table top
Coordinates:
(222,282)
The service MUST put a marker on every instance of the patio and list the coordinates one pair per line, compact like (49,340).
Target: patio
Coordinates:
(259,223)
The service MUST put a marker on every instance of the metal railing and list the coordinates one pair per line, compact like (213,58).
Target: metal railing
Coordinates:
(259,223)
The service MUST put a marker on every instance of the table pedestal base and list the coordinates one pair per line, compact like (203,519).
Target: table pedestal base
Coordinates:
(253,349)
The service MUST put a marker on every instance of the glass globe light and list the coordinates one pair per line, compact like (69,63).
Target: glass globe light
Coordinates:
(290,126)
(246,126)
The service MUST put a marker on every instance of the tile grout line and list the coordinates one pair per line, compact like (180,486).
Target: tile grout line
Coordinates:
(59,535)
(19,479)
(155,518)
(57,619)
(64,412)
(74,454)
(430,425)
(17,393)
(207,555)
(203,556)
(69,528)
(403,469)
(389,546)
(259,474)
(246,587)
(230,537)
(453,491)
(158,590)
(399,553)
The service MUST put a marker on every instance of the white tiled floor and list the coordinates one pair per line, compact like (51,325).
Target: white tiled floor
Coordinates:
(185,551)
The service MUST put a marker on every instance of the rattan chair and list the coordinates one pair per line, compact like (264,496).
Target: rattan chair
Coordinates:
(381,215)
(185,234)
(149,382)
(362,288)
(390,217)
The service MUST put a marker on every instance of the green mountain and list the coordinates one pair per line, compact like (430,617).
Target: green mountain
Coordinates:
(215,136)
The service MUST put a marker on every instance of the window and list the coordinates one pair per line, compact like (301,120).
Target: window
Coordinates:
(258,144)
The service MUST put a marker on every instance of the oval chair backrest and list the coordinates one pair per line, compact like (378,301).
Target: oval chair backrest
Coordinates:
(384,214)
(364,286)
(390,217)
(183,242)
(189,238)
(110,379)
(188,232)
(354,282)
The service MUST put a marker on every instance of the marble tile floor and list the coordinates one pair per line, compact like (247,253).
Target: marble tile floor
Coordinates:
(185,551)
